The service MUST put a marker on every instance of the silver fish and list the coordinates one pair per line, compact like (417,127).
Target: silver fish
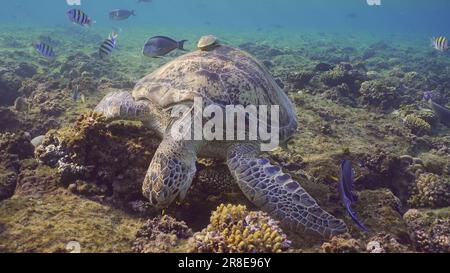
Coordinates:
(121,14)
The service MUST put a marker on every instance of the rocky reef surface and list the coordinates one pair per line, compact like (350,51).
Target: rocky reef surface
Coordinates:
(68,176)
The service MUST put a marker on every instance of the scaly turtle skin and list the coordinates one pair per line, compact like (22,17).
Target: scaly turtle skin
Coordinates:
(221,76)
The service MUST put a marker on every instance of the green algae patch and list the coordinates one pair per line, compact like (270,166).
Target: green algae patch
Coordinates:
(48,224)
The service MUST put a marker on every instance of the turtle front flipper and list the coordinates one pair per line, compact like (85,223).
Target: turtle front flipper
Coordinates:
(278,194)
(171,172)
(121,105)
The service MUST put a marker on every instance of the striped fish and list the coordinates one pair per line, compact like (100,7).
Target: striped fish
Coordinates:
(440,43)
(108,45)
(44,49)
(77,16)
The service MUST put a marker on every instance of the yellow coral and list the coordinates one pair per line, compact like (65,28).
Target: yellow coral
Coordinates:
(417,125)
(431,190)
(243,231)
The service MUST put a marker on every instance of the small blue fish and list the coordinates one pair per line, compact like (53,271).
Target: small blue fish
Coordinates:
(345,189)
(77,16)
(44,49)
(108,45)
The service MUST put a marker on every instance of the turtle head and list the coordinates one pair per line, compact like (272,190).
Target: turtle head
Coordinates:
(121,105)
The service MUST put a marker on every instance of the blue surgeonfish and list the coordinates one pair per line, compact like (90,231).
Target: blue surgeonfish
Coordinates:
(346,191)
(160,46)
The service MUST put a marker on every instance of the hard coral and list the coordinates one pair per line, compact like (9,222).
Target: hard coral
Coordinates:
(343,73)
(342,244)
(235,229)
(300,79)
(431,190)
(417,125)
(112,156)
(385,243)
(160,234)
(378,93)
(430,230)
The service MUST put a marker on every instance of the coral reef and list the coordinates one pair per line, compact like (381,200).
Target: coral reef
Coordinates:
(8,180)
(16,149)
(343,73)
(300,79)
(430,230)
(417,125)
(342,244)
(431,191)
(235,229)
(161,234)
(385,243)
(380,211)
(18,144)
(380,94)
(35,180)
(84,151)
(357,101)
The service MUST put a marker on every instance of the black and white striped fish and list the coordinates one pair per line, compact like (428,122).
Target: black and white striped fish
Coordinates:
(108,45)
(77,16)
(44,49)
(440,43)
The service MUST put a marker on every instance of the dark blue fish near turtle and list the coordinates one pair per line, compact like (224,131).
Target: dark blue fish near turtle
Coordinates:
(346,191)
(121,14)
(77,16)
(160,46)
(44,49)
(108,45)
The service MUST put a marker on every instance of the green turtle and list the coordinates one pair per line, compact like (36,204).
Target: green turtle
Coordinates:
(221,76)
(207,42)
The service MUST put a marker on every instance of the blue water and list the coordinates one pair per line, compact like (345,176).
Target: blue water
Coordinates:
(418,17)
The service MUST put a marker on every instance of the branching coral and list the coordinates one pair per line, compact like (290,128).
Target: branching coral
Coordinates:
(235,229)
(431,190)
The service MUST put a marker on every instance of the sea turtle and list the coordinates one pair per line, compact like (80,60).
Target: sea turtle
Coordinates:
(207,42)
(222,76)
